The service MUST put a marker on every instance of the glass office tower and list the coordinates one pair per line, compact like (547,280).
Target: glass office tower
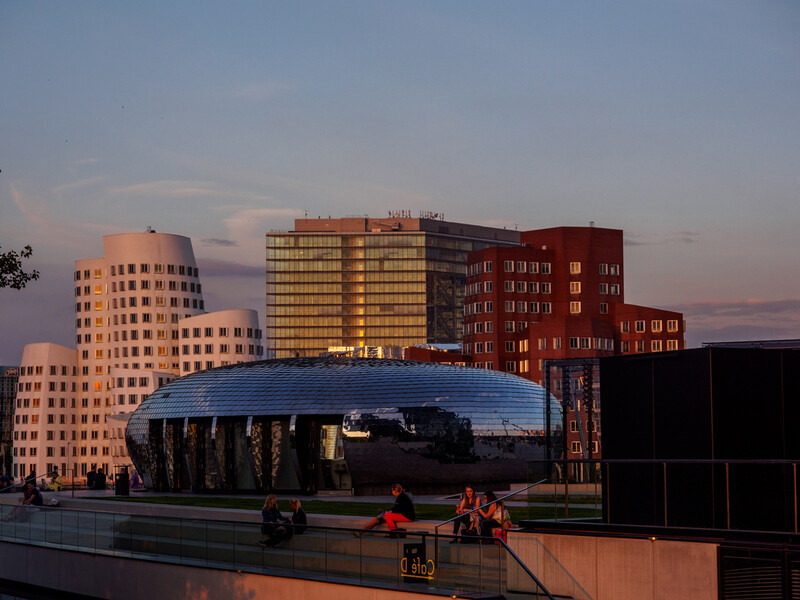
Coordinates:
(346,283)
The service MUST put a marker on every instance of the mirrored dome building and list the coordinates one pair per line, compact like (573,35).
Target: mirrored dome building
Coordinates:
(328,423)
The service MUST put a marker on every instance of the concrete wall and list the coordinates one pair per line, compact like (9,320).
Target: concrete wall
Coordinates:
(617,568)
(123,579)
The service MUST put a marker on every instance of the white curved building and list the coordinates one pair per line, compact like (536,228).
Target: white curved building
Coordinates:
(131,308)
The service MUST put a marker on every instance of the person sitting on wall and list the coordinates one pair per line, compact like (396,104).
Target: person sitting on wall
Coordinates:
(469,501)
(492,516)
(298,518)
(401,512)
(273,522)
(56,483)
(135,482)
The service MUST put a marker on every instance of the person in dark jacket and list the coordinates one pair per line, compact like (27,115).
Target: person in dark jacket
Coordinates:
(273,522)
(401,512)
(298,518)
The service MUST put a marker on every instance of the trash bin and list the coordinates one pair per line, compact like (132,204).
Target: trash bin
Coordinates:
(121,482)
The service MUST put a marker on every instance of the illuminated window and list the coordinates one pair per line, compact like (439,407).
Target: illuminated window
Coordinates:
(574,287)
(574,268)
(574,307)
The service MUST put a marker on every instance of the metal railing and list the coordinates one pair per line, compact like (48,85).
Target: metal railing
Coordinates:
(331,554)
(723,488)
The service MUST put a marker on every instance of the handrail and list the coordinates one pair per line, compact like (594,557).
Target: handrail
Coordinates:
(527,570)
(501,499)
(230,545)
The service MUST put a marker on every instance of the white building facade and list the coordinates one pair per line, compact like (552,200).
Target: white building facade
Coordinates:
(131,308)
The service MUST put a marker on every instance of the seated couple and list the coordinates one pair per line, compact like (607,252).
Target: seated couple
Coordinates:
(277,527)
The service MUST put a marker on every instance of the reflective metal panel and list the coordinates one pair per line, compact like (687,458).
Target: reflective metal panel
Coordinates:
(428,425)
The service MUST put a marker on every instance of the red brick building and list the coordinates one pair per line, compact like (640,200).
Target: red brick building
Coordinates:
(560,295)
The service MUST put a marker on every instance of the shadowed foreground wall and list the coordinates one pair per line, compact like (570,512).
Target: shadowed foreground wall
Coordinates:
(123,579)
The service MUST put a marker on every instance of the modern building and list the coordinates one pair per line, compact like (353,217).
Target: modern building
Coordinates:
(315,424)
(560,295)
(9,377)
(353,282)
(140,322)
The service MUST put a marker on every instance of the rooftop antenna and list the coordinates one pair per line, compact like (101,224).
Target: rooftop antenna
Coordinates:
(591,223)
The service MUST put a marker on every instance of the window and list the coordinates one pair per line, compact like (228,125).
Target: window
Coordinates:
(545,288)
(615,289)
(533,287)
(603,269)
(655,346)
(521,287)
(575,447)
(613,270)
(573,343)
(574,268)
(672,325)
(487,266)
(508,285)
(556,343)
(545,268)
(655,326)
(573,426)
(489,326)
(533,307)
(489,346)
(509,306)
(639,326)
(604,308)
(508,266)
(603,289)
(574,307)
(487,286)
(625,326)
(542,343)
(478,347)
(511,366)
(640,345)
(522,307)
(510,326)
(509,346)
(672,344)
(574,287)
(586,343)
(488,307)
(547,308)
(533,267)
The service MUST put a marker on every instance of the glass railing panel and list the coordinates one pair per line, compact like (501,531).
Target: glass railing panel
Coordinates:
(343,560)
(85,535)
(69,528)
(143,535)
(312,548)
(380,558)
(193,541)
(104,532)
(220,543)
(168,535)
(248,555)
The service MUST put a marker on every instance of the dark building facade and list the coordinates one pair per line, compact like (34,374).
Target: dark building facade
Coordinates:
(9,376)
(738,407)
(313,424)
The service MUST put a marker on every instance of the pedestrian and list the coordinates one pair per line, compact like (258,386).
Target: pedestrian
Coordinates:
(273,522)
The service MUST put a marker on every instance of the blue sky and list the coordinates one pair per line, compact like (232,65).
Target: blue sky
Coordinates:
(678,122)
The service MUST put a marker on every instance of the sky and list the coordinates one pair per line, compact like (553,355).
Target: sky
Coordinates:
(677,122)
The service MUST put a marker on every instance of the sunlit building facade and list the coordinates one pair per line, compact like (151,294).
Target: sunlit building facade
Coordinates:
(355,282)
(140,323)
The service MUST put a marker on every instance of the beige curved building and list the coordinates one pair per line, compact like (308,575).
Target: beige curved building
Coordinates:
(137,309)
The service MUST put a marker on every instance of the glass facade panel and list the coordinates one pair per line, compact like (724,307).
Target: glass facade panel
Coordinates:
(319,423)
